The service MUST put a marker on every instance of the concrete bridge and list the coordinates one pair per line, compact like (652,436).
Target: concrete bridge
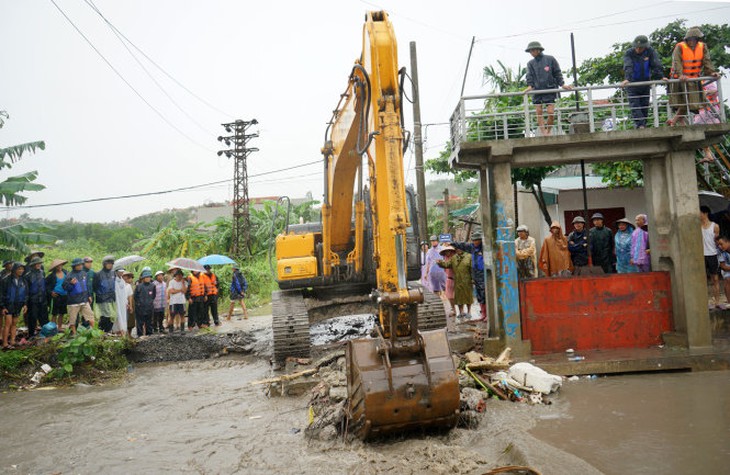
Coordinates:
(668,155)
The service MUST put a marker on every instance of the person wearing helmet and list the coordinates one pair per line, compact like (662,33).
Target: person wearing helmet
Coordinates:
(13,302)
(601,239)
(690,60)
(104,290)
(7,268)
(37,314)
(158,317)
(76,285)
(554,255)
(144,303)
(543,72)
(578,243)
(239,287)
(641,63)
(526,253)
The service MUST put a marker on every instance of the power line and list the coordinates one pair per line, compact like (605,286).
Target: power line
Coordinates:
(154,193)
(116,71)
(118,34)
(170,76)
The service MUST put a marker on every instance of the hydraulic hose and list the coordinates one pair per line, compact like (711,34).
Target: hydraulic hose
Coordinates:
(365,113)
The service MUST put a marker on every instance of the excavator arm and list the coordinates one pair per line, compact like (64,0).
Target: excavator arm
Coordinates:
(402,378)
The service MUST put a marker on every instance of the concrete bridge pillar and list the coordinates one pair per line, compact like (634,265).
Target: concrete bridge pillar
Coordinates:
(675,240)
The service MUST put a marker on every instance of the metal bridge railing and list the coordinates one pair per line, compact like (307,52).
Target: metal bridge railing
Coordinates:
(597,108)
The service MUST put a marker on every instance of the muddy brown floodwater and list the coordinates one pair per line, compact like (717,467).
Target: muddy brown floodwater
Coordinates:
(205,417)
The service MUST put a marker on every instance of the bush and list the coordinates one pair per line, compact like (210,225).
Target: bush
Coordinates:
(90,344)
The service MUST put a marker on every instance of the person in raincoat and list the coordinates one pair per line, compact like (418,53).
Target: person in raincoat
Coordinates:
(526,253)
(554,256)
(640,245)
(122,300)
(448,252)
(623,247)
(435,275)
(601,240)
(461,265)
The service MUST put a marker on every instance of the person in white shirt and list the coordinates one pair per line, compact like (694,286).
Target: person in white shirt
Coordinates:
(176,297)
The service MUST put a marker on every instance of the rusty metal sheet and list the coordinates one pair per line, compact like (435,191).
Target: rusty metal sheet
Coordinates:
(596,312)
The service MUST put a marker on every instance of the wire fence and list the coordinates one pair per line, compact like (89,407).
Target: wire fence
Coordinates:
(587,109)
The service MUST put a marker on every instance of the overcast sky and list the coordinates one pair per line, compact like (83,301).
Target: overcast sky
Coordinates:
(284,63)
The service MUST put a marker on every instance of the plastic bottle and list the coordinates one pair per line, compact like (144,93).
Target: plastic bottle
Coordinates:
(576,358)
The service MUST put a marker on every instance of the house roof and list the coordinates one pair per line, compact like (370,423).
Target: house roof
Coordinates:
(567,183)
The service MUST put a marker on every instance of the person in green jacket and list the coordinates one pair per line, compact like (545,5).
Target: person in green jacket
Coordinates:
(460,263)
(602,244)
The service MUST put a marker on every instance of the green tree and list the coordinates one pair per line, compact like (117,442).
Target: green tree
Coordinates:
(609,68)
(15,237)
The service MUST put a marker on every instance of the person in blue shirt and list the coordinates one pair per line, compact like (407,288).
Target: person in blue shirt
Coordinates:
(239,287)
(56,293)
(578,244)
(641,63)
(77,286)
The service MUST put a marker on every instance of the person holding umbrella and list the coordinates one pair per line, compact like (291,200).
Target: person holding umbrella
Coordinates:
(239,287)
(176,290)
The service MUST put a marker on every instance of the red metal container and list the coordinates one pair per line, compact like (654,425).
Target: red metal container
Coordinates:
(596,312)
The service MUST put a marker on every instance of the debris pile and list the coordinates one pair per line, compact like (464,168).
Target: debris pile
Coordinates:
(480,378)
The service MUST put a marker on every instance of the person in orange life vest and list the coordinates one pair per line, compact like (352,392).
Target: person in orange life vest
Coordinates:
(212,288)
(196,301)
(690,59)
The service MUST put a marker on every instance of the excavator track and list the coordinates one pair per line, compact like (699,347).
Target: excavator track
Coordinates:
(431,313)
(290,325)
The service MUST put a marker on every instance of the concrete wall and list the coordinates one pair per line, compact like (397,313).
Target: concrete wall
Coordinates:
(633,200)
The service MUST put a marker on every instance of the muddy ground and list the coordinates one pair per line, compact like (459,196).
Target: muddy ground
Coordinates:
(205,417)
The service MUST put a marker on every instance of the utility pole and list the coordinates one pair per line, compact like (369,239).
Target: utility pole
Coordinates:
(446,210)
(239,152)
(418,141)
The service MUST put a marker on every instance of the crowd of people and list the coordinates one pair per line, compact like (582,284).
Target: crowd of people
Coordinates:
(109,298)
(641,63)
(455,270)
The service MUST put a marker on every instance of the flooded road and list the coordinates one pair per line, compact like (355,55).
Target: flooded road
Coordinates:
(205,417)
(660,423)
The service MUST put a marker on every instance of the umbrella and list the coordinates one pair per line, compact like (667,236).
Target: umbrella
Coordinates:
(187,264)
(715,201)
(216,260)
(125,261)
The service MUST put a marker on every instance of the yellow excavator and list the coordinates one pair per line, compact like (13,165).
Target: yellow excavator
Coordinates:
(403,376)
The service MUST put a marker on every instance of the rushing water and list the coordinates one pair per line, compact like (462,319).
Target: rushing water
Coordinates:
(661,423)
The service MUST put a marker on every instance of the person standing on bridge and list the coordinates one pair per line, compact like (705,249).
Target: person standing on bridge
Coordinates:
(554,254)
(690,59)
(543,72)
(641,63)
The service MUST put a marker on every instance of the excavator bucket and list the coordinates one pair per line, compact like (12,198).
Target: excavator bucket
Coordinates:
(389,393)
